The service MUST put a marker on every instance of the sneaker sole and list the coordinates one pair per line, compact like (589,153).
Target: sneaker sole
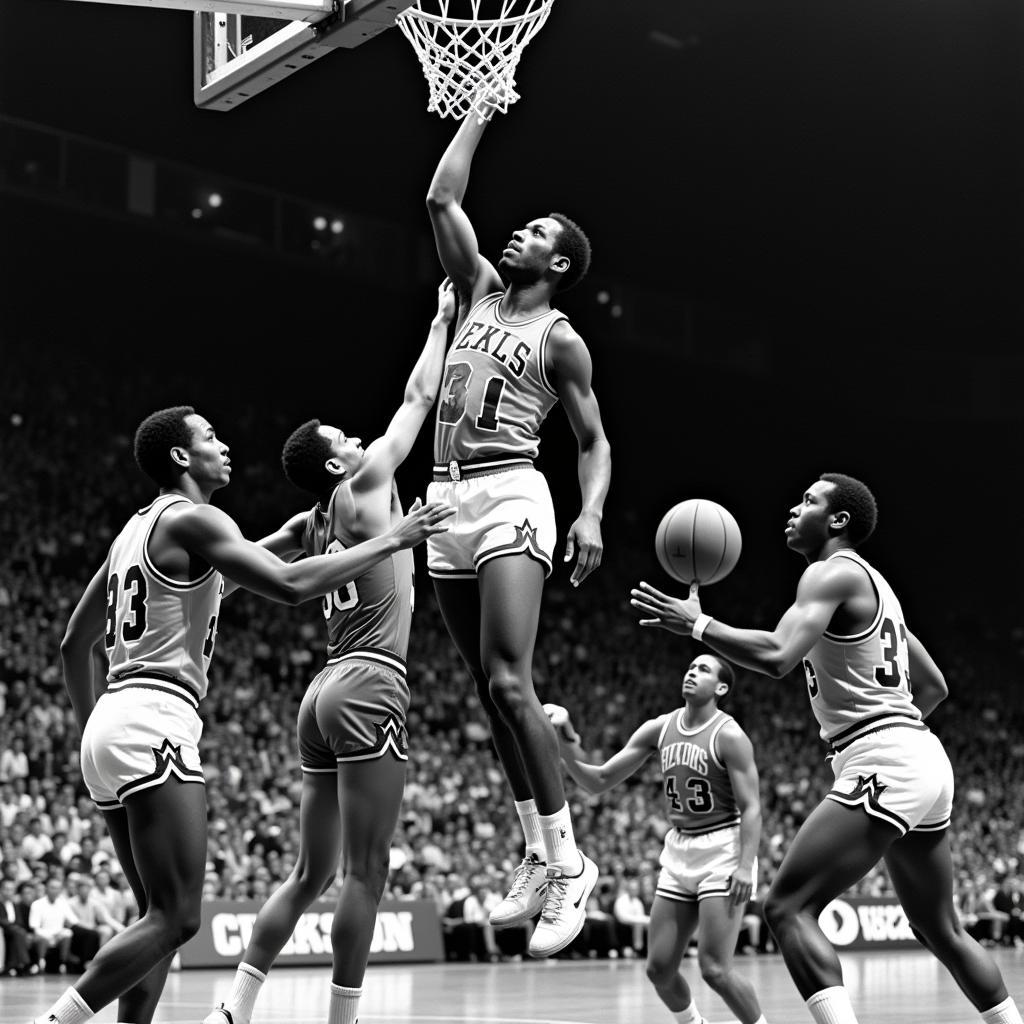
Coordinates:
(516,919)
(551,950)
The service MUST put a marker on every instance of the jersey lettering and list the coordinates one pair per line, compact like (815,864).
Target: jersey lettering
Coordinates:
(812,679)
(891,673)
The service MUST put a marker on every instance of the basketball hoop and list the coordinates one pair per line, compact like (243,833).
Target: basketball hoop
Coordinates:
(469,59)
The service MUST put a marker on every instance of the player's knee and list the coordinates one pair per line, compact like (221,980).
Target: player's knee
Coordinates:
(309,884)
(713,970)
(506,690)
(369,868)
(661,972)
(777,910)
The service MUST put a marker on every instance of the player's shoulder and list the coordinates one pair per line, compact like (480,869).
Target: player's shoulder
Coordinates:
(833,576)
(732,740)
(563,336)
(649,732)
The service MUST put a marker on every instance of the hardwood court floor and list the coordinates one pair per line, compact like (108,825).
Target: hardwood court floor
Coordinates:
(886,989)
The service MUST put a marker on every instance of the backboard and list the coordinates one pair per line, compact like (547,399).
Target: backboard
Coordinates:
(242,47)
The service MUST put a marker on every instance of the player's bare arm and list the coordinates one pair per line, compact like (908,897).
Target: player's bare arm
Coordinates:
(85,629)
(598,778)
(737,754)
(285,542)
(389,451)
(824,587)
(571,370)
(472,275)
(928,687)
(210,534)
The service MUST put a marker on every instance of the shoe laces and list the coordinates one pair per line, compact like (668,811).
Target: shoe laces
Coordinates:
(558,889)
(521,879)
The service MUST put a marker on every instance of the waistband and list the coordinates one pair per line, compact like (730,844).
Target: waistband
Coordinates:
(466,469)
(689,833)
(377,654)
(160,681)
(849,736)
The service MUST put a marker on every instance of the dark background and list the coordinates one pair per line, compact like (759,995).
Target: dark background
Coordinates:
(811,215)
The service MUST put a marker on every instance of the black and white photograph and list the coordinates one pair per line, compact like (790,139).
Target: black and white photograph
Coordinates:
(492,506)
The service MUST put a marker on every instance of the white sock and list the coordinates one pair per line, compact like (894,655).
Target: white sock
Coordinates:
(1005,1013)
(71,1008)
(530,820)
(688,1016)
(247,985)
(832,1006)
(344,1005)
(559,842)
(761,1020)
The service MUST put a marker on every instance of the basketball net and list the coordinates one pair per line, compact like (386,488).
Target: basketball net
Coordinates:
(470,60)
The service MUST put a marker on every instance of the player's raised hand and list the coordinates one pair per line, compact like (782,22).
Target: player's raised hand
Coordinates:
(447,301)
(559,718)
(421,521)
(584,541)
(671,613)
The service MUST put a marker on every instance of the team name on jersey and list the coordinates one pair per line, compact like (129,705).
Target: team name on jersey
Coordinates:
(497,348)
(684,755)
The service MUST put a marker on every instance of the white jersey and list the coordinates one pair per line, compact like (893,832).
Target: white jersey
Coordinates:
(861,683)
(495,393)
(158,628)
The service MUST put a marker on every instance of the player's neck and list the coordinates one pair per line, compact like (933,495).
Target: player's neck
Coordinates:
(697,715)
(829,548)
(521,301)
(188,488)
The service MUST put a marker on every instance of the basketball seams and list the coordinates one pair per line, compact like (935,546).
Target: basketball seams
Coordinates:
(706,533)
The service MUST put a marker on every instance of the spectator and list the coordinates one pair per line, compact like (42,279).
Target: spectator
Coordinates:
(16,958)
(37,944)
(51,918)
(631,919)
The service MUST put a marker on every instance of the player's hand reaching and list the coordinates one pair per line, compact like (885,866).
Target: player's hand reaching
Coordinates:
(671,613)
(584,541)
(559,718)
(739,891)
(447,302)
(421,521)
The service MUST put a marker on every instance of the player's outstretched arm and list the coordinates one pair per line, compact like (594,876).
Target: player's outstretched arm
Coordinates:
(472,275)
(285,542)
(928,687)
(597,778)
(389,451)
(85,630)
(214,536)
(571,371)
(822,589)
(737,754)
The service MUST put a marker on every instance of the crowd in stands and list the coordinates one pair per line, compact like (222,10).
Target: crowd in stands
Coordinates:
(62,893)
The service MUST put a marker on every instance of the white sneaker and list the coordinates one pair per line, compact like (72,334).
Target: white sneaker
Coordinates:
(525,896)
(565,909)
(220,1015)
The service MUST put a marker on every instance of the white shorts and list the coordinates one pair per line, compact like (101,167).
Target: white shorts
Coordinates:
(509,512)
(696,867)
(137,738)
(901,775)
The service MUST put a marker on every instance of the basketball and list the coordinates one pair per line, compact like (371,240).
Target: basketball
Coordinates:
(698,541)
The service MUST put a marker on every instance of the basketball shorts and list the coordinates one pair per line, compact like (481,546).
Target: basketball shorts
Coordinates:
(354,710)
(508,512)
(138,738)
(900,775)
(696,867)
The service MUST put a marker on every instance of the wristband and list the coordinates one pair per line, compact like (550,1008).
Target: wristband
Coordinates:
(700,624)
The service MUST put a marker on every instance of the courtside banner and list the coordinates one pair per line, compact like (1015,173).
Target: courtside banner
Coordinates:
(407,931)
(864,922)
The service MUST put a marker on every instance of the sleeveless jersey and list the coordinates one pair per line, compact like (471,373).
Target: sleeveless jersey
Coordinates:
(373,611)
(495,392)
(158,627)
(861,683)
(697,785)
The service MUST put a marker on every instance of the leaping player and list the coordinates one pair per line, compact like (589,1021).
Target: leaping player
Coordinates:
(514,356)
(871,684)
